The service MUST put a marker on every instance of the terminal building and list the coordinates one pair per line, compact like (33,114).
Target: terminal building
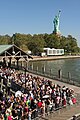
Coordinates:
(53,51)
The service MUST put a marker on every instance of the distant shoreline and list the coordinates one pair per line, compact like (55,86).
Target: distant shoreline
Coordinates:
(38,58)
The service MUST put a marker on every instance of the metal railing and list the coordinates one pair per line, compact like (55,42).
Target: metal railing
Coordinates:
(59,76)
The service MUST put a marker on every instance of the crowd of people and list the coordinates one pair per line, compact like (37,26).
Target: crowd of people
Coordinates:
(42,96)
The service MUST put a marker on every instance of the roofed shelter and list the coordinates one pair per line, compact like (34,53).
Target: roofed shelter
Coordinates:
(10,52)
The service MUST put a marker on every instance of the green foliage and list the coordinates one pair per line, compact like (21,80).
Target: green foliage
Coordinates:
(37,42)
(36,45)
(5,39)
(20,39)
(71,44)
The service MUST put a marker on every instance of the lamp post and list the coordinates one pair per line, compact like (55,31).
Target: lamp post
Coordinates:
(25,78)
(27,63)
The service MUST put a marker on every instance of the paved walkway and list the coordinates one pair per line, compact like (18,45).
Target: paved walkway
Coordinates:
(36,58)
(65,113)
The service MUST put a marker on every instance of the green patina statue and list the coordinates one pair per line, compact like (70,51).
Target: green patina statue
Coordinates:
(56,23)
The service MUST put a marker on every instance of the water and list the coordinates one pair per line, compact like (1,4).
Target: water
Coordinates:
(71,66)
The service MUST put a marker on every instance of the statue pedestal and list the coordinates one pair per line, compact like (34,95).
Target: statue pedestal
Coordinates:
(57,33)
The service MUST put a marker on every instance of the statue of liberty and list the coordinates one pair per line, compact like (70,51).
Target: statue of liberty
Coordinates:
(56,23)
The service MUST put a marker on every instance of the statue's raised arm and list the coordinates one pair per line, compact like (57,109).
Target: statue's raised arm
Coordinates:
(59,14)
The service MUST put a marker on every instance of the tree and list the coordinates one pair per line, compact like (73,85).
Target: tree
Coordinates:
(21,40)
(5,39)
(52,41)
(71,44)
(36,45)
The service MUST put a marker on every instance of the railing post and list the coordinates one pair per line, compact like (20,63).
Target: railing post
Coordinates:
(32,67)
(60,73)
(1,85)
(4,91)
(8,86)
(43,69)
(27,65)
(69,76)
(50,72)
(37,69)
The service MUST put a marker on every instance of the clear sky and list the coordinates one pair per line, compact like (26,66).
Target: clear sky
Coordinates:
(36,17)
